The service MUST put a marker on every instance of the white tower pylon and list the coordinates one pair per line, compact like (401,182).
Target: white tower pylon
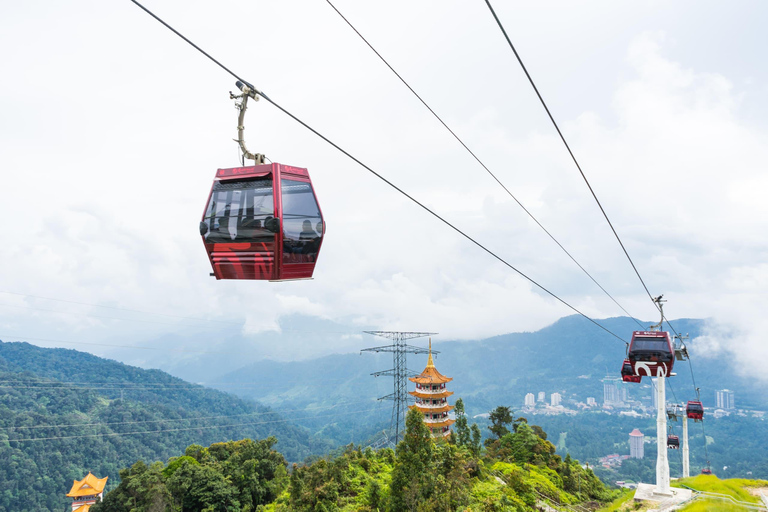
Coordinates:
(686,467)
(662,463)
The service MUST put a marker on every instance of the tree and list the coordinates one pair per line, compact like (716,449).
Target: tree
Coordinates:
(414,455)
(476,444)
(500,417)
(460,427)
(141,489)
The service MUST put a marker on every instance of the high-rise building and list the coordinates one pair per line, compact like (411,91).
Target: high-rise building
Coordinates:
(432,398)
(724,399)
(556,398)
(611,393)
(636,440)
(591,401)
(542,396)
(530,401)
(623,392)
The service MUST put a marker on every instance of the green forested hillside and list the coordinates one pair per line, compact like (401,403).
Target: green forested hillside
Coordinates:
(64,413)
(569,357)
(516,471)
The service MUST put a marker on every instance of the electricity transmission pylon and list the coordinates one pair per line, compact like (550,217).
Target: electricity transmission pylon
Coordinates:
(400,372)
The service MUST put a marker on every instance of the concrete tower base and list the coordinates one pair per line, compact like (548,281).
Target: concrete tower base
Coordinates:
(647,492)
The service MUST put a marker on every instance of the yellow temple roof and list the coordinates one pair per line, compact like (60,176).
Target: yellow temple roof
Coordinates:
(88,486)
(82,508)
(419,394)
(425,410)
(430,375)
(440,424)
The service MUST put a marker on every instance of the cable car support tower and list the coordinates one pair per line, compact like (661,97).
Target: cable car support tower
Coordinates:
(662,461)
(400,372)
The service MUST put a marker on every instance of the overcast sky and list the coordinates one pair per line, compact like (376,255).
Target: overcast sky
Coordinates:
(113,127)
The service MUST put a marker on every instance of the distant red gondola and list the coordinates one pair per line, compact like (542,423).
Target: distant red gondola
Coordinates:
(262,222)
(628,374)
(706,471)
(695,410)
(673,442)
(651,354)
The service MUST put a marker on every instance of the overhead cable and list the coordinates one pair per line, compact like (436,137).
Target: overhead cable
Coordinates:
(573,157)
(120,434)
(520,204)
(193,418)
(382,178)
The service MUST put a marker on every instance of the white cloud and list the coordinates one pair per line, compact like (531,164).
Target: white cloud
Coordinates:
(107,212)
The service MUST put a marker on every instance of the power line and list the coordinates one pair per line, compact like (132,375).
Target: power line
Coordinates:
(99,316)
(119,308)
(382,178)
(139,347)
(197,418)
(120,434)
(18,338)
(520,204)
(573,157)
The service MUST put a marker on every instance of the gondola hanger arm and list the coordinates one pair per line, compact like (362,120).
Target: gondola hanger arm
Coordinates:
(248,91)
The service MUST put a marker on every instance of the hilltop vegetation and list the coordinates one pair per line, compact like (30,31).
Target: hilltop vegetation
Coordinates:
(64,413)
(516,470)
(743,492)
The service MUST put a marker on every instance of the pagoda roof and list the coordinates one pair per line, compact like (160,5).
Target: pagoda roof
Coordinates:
(419,394)
(636,433)
(430,375)
(439,424)
(82,508)
(88,486)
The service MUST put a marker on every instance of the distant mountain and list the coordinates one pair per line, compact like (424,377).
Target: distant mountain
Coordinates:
(570,356)
(64,413)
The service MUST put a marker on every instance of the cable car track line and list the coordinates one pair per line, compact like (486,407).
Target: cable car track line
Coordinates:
(480,162)
(382,178)
(578,166)
(573,157)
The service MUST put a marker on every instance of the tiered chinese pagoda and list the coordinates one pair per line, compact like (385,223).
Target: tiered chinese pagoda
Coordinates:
(432,398)
(87,492)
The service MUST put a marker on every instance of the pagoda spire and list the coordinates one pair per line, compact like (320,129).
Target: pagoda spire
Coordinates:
(430,362)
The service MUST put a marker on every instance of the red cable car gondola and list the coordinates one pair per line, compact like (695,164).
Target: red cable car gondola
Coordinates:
(262,222)
(673,442)
(695,410)
(628,374)
(651,353)
(706,471)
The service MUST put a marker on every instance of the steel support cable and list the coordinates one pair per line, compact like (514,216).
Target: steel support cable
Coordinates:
(119,434)
(460,141)
(382,178)
(690,366)
(115,307)
(578,166)
(573,157)
(194,418)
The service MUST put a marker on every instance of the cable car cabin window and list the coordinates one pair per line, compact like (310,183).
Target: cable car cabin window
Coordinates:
(302,223)
(650,345)
(238,212)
